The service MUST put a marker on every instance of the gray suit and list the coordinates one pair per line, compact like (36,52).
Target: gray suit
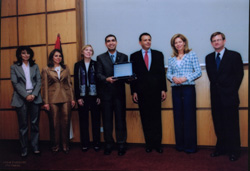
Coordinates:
(23,106)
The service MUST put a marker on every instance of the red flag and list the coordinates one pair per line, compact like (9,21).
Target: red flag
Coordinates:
(58,42)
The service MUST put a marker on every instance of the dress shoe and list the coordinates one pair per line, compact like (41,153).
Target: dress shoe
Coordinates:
(107,151)
(121,151)
(97,148)
(233,157)
(66,151)
(37,153)
(159,150)
(148,150)
(24,154)
(85,149)
(215,154)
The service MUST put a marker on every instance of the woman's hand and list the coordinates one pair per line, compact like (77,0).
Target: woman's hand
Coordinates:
(46,107)
(80,102)
(30,98)
(98,101)
(73,103)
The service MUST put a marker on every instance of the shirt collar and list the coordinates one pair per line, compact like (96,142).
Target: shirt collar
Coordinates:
(221,53)
(144,51)
(113,53)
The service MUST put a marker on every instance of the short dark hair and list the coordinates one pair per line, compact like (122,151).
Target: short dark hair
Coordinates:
(19,57)
(217,33)
(144,34)
(51,63)
(110,35)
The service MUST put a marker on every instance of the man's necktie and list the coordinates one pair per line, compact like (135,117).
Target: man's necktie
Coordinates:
(112,58)
(146,58)
(218,60)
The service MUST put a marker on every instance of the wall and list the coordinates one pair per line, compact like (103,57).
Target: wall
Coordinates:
(37,25)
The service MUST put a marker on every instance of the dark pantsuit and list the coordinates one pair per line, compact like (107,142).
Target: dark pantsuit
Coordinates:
(89,105)
(116,107)
(60,114)
(226,124)
(150,112)
(184,104)
(22,113)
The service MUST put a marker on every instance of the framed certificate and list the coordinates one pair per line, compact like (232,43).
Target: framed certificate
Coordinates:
(123,70)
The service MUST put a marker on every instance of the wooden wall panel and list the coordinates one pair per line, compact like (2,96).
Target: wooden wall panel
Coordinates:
(8,56)
(244,128)
(6,91)
(44,126)
(76,127)
(168,136)
(31,6)
(134,127)
(203,91)
(168,102)
(63,23)
(69,54)
(32,30)
(243,91)
(40,56)
(8,32)
(8,8)
(54,5)
(9,125)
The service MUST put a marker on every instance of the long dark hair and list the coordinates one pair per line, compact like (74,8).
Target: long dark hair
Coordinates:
(51,63)
(19,57)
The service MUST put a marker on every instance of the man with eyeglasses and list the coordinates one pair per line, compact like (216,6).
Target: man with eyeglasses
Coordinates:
(112,95)
(225,72)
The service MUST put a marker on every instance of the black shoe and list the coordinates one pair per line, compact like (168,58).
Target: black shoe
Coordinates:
(85,149)
(66,151)
(159,150)
(37,153)
(24,154)
(233,157)
(148,150)
(107,151)
(97,148)
(121,151)
(216,154)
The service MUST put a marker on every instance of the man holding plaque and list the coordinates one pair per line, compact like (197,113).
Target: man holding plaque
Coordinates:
(149,90)
(112,95)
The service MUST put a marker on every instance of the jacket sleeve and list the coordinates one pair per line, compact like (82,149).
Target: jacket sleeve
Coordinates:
(37,88)
(70,85)
(21,90)
(44,87)
(163,74)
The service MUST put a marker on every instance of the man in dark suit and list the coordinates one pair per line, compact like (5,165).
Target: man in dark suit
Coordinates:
(149,90)
(225,72)
(112,95)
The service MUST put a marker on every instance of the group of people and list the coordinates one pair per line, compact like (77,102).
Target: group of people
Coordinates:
(96,90)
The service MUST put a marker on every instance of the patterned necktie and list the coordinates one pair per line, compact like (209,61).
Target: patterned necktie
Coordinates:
(218,60)
(146,58)
(112,58)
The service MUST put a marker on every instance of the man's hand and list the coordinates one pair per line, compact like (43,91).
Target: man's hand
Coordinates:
(110,79)
(135,98)
(163,96)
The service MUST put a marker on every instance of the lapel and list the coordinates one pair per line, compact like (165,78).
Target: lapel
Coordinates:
(20,70)
(183,61)
(108,59)
(32,71)
(223,61)
(141,60)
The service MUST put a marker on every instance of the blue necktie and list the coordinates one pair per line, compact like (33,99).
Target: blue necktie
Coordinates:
(112,58)
(218,60)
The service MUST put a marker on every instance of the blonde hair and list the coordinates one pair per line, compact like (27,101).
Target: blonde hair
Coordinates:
(85,46)
(184,39)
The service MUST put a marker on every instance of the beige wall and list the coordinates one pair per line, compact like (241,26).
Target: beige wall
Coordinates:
(36,23)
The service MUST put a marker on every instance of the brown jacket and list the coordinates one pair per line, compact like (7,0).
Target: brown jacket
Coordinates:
(55,90)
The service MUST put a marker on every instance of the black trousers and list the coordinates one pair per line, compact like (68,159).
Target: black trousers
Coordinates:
(115,107)
(22,114)
(89,105)
(184,105)
(226,125)
(150,112)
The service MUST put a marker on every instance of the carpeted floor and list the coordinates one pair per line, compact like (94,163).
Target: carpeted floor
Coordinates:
(135,159)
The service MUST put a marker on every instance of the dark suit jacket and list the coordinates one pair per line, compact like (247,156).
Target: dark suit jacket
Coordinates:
(152,81)
(55,90)
(19,83)
(225,83)
(105,69)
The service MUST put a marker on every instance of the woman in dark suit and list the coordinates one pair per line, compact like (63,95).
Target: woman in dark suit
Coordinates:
(86,95)
(58,98)
(26,80)
(183,70)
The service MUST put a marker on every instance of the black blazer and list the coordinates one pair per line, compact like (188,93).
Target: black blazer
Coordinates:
(105,69)
(151,81)
(76,76)
(225,82)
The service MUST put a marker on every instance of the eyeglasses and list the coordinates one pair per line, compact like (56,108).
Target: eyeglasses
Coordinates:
(217,40)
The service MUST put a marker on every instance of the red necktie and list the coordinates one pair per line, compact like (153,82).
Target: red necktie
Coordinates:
(146,58)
